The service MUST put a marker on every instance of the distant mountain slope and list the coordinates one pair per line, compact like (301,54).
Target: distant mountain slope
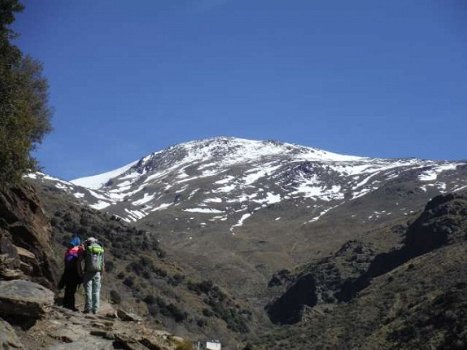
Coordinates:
(249,208)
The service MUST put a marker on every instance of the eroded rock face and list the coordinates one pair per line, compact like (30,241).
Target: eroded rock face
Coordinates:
(24,298)
(25,234)
(318,284)
(287,309)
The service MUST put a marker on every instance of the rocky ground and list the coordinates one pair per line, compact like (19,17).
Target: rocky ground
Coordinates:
(32,321)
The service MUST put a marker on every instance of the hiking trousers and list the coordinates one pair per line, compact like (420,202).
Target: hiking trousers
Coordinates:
(69,297)
(92,289)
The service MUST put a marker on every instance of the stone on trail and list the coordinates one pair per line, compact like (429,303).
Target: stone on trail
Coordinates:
(128,316)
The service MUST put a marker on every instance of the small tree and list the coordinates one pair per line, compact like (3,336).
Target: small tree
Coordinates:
(24,111)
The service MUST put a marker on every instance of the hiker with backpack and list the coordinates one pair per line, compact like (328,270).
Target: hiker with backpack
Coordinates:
(71,277)
(93,259)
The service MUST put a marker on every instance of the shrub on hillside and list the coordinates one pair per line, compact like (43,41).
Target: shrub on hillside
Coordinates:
(129,281)
(115,297)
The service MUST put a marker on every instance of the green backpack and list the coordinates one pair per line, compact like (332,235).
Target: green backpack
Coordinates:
(94,258)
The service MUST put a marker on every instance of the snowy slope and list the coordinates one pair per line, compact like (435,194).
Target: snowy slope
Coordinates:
(228,180)
(97,181)
(213,176)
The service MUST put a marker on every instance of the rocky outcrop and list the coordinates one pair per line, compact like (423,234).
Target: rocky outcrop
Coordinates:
(319,283)
(287,309)
(24,298)
(340,277)
(444,221)
(25,235)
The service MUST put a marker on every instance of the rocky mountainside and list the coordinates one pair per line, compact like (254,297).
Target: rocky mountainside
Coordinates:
(141,276)
(26,251)
(37,224)
(29,270)
(249,208)
(412,297)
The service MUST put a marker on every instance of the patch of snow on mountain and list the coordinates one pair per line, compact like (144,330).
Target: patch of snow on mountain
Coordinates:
(119,194)
(97,181)
(146,198)
(204,211)
(432,174)
(98,195)
(316,218)
(460,188)
(213,200)
(225,180)
(240,222)
(100,205)
(163,206)
(255,174)
(365,181)
(361,193)
(272,198)
(134,215)
(193,193)
(241,198)
(313,188)
(225,189)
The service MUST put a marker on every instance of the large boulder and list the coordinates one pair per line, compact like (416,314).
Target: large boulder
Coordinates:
(24,298)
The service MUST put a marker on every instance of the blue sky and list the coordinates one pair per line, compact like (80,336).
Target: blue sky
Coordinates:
(370,78)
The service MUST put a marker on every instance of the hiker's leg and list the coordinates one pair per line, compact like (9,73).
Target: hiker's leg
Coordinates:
(87,283)
(96,288)
(67,296)
(73,288)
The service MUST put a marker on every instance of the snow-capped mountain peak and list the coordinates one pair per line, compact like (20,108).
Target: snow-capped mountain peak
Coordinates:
(228,178)
(225,151)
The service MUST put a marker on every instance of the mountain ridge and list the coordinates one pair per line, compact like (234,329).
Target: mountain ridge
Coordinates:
(180,165)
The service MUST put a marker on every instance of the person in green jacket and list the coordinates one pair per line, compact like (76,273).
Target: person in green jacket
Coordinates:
(93,260)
